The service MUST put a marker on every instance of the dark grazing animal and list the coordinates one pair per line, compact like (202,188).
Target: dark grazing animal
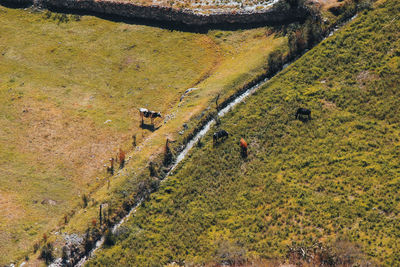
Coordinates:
(145,113)
(301,112)
(222,134)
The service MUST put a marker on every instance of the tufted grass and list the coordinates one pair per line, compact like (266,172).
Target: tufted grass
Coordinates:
(334,178)
(62,77)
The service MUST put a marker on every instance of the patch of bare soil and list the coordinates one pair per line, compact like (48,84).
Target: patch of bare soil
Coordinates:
(328,105)
(364,77)
(61,140)
(9,208)
(328,4)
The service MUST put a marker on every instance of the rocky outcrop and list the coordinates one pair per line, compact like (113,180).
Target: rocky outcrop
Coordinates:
(279,13)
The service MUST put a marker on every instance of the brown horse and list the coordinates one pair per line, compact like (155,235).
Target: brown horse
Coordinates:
(243,146)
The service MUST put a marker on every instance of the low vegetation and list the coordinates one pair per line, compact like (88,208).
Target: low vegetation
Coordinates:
(327,187)
(79,82)
(71,87)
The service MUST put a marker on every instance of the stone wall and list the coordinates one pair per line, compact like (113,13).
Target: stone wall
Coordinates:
(277,14)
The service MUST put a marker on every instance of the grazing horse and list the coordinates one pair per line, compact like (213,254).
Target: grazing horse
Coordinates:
(145,113)
(303,112)
(220,134)
(243,146)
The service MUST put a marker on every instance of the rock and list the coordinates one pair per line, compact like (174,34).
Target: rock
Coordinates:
(186,92)
(48,201)
(56,263)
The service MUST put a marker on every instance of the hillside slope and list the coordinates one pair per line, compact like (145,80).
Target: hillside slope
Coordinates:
(70,90)
(334,179)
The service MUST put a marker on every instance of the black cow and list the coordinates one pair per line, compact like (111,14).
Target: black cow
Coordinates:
(220,134)
(301,112)
(145,113)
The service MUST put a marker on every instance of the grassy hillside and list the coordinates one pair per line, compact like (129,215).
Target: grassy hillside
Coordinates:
(334,179)
(70,88)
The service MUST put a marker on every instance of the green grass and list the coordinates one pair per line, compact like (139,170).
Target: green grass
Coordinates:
(71,78)
(62,77)
(333,178)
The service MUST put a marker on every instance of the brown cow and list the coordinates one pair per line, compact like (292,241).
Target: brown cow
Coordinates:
(243,146)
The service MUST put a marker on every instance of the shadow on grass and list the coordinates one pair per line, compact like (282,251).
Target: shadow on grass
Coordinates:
(149,127)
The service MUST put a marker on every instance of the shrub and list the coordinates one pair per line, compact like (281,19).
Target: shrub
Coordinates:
(275,61)
(88,241)
(76,17)
(47,253)
(152,169)
(109,239)
(85,200)
(47,14)
(65,254)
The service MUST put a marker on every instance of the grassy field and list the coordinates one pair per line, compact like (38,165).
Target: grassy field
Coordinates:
(70,88)
(334,179)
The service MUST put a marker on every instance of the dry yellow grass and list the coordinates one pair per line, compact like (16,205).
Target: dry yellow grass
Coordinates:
(61,82)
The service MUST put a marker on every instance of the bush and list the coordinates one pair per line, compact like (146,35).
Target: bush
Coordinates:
(85,200)
(65,254)
(109,239)
(47,14)
(47,253)
(275,61)
(88,241)
(76,17)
